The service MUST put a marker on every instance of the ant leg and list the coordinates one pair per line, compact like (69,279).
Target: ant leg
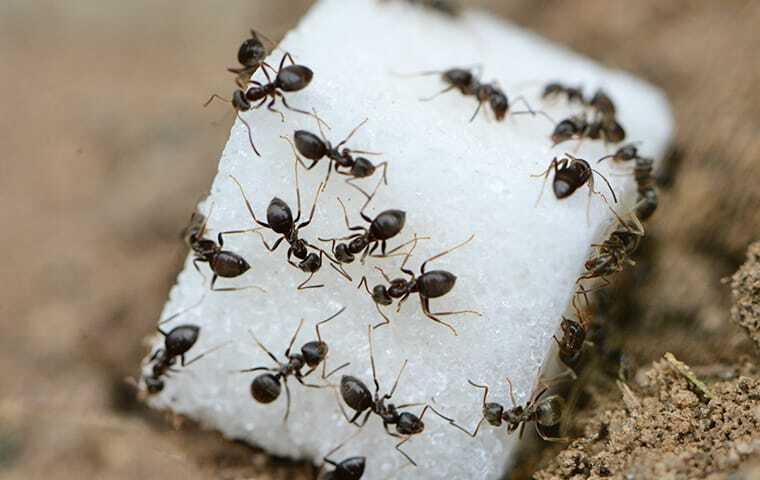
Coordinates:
(313,207)
(372,359)
(261,346)
(386,320)
(550,439)
(369,199)
(445,252)
(401,302)
(334,370)
(274,110)
(395,384)
(406,258)
(292,340)
(363,281)
(511,393)
(266,245)
(255,369)
(248,203)
(614,197)
(348,225)
(282,61)
(285,102)
(341,271)
(432,97)
(426,310)
(382,272)
(554,164)
(351,134)
(287,399)
(475,114)
(250,136)
(298,157)
(328,319)
(392,252)
(190,362)
(220,238)
(183,311)
(217,97)
(302,285)
(398,447)
(198,269)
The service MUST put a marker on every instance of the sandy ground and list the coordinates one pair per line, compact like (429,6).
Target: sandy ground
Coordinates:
(106,148)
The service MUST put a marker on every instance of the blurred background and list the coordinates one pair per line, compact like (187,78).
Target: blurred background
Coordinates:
(106,149)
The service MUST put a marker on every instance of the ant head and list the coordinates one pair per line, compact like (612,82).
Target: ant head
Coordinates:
(343,253)
(355,393)
(181,339)
(293,78)
(357,244)
(154,385)
(279,216)
(311,263)
(409,424)
(387,225)
(265,388)
(499,103)
(240,101)
(381,296)
(493,412)
(251,52)
(314,352)
(310,145)
(362,168)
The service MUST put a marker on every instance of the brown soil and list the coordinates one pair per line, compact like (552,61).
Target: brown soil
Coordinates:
(745,288)
(106,149)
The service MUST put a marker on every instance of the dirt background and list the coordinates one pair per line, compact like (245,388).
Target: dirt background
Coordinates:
(106,149)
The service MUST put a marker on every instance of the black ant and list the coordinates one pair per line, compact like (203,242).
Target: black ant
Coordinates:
(288,79)
(177,342)
(615,252)
(570,345)
(602,104)
(351,468)
(266,387)
(223,263)
(433,284)
(469,84)
(386,225)
(545,412)
(646,203)
(280,220)
(579,127)
(447,7)
(556,89)
(358,397)
(251,55)
(569,175)
(315,149)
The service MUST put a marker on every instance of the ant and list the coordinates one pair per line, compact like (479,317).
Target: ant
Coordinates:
(556,89)
(570,345)
(315,149)
(545,412)
(251,55)
(646,204)
(579,127)
(351,468)
(223,263)
(177,342)
(433,284)
(280,220)
(358,397)
(287,79)
(266,387)
(386,225)
(468,83)
(615,252)
(602,104)
(570,174)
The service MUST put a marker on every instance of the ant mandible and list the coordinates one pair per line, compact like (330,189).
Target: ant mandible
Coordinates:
(266,387)
(433,284)
(223,263)
(358,397)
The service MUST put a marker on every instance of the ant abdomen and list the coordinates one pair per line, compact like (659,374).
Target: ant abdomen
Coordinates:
(279,216)
(294,77)
(549,411)
(355,393)
(436,283)
(309,145)
(387,225)
(228,264)
(265,388)
(181,339)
